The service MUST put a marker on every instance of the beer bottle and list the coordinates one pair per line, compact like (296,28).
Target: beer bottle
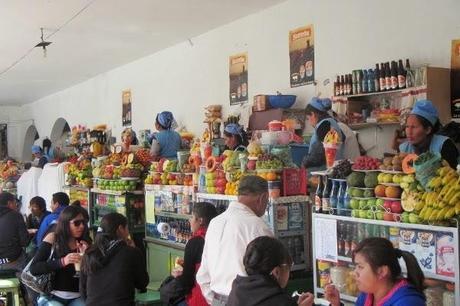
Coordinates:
(342,85)
(326,199)
(382,77)
(401,75)
(370,80)
(319,196)
(348,86)
(409,75)
(394,75)
(364,81)
(387,76)
(350,80)
(377,78)
(337,86)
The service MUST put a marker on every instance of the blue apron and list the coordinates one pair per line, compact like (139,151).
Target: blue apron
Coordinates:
(170,143)
(314,139)
(435,146)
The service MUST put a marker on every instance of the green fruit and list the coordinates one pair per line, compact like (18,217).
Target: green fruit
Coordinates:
(369,193)
(371,202)
(363,213)
(356,179)
(358,193)
(371,179)
(362,204)
(354,203)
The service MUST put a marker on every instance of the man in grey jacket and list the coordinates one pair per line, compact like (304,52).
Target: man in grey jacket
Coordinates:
(14,237)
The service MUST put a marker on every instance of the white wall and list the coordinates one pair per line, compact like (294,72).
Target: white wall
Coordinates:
(184,78)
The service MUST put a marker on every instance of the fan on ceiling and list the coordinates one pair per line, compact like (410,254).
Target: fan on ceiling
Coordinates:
(43,44)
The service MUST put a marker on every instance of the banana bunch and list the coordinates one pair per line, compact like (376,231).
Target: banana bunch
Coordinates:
(443,201)
(332,137)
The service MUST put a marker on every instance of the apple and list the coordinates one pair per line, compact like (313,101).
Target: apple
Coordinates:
(220,189)
(221,182)
(354,204)
(379,204)
(387,216)
(381,177)
(397,178)
(387,205)
(355,213)
(370,215)
(371,202)
(379,215)
(363,214)
(414,218)
(362,204)
(396,207)
(405,217)
(388,178)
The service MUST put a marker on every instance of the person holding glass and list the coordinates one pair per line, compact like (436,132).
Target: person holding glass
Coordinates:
(65,246)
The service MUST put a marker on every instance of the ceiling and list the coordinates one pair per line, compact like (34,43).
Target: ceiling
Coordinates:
(93,36)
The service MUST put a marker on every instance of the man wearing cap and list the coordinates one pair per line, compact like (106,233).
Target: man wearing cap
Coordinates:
(422,124)
(227,237)
(14,237)
(39,159)
(166,142)
(319,118)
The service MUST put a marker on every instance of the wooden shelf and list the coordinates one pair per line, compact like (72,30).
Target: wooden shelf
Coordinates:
(364,125)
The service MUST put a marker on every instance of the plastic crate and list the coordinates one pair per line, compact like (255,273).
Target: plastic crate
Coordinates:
(294,181)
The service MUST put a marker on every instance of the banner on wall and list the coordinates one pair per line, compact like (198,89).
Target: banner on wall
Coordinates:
(126,107)
(455,78)
(238,72)
(302,56)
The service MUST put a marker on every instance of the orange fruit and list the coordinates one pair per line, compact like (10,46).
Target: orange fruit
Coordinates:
(271,176)
(393,192)
(379,190)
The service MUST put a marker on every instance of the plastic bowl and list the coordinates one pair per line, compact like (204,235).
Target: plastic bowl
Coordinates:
(281,101)
(269,138)
(284,137)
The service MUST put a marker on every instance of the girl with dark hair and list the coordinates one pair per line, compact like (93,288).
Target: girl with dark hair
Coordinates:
(378,276)
(268,264)
(202,214)
(319,118)
(166,142)
(38,211)
(422,126)
(66,246)
(112,267)
(235,137)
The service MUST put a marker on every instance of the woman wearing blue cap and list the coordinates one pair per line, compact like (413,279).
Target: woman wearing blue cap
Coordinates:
(322,122)
(39,159)
(235,137)
(166,142)
(422,124)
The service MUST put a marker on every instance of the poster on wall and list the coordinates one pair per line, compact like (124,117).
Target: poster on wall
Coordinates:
(238,71)
(126,107)
(455,78)
(302,56)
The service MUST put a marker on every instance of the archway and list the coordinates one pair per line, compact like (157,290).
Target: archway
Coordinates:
(31,136)
(60,128)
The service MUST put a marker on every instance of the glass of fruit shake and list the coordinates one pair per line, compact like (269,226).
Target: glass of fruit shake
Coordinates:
(330,150)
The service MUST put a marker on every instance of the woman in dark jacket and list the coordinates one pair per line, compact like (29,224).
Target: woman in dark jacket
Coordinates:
(268,264)
(112,267)
(67,245)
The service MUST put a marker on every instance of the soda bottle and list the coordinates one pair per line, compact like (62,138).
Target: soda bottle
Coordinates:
(333,200)
(319,197)
(326,203)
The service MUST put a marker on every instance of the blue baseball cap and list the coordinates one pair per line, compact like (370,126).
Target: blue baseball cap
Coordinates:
(323,105)
(36,149)
(233,128)
(426,109)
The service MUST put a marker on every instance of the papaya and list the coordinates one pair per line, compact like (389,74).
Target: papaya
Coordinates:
(408,163)
(211,164)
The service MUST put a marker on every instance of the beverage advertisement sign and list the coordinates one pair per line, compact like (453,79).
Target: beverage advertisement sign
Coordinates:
(126,107)
(238,71)
(301,56)
(455,78)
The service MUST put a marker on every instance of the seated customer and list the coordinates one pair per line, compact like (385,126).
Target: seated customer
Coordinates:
(37,213)
(378,276)
(268,264)
(112,267)
(202,214)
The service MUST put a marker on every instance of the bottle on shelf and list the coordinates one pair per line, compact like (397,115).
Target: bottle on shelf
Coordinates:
(370,80)
(348,237)
(382,82)
(394,75)
(319,196)
(326,204)
(341,234)
(337,86)
(401,75)
(387,76)
(354,84)
(341,194)
(347,85)
(409,75)
(333,200)
(364,81)
(342,85)
(377,78)
(359,79)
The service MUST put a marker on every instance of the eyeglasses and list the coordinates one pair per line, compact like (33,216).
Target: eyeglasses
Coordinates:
(78,222)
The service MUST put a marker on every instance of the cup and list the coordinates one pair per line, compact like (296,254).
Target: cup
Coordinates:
(77,266)
(330,149)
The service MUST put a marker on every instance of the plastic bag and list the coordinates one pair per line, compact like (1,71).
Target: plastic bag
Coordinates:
(426,166)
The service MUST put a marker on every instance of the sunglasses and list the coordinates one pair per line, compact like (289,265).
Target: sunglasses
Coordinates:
(78,222)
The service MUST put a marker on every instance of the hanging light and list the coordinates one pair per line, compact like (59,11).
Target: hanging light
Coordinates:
(43,44)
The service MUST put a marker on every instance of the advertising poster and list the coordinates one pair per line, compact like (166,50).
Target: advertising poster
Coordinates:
(302,56)
(126,107)
(455,78)
(238,71)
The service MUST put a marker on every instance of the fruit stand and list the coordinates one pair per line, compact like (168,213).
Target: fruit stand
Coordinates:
(418,209)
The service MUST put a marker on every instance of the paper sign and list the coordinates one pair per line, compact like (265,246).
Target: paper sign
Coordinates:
(150,207)
(326,239)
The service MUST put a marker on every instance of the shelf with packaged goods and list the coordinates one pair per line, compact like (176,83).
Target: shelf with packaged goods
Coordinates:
(164,242)
(376,93)
(280,200)
(172,215)
(344,297)
(115,192)
(420,239)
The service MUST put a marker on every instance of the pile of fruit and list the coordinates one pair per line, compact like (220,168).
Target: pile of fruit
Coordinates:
(341,170)
(366,163)
(9,170)
(267,161)
(116,185)
(80,173)
(393,163)
(144,157)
